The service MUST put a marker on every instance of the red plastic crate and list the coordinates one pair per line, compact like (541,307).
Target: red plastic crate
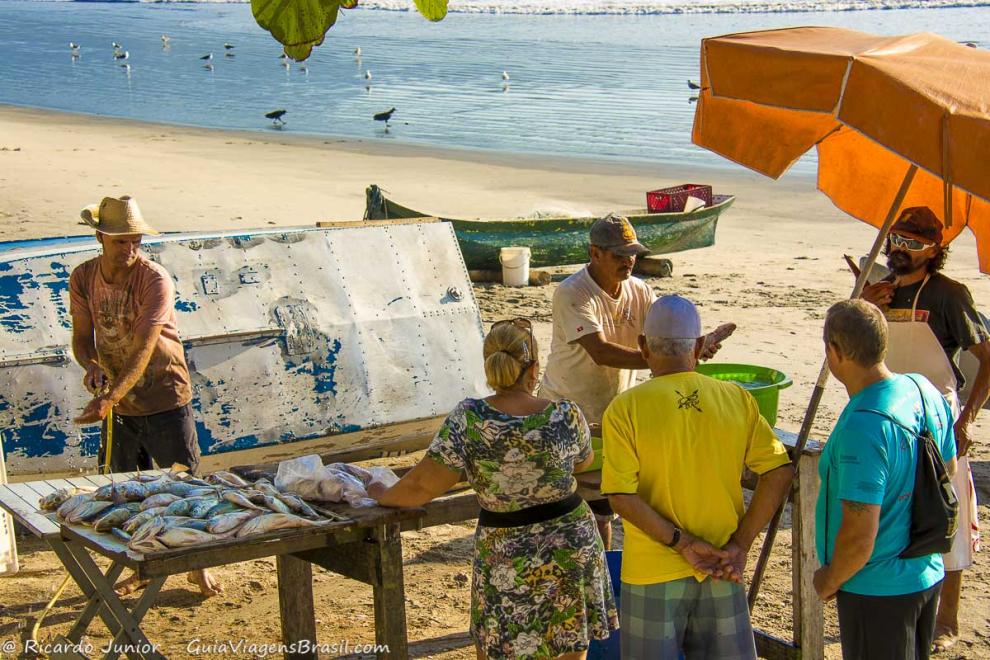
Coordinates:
(672,200)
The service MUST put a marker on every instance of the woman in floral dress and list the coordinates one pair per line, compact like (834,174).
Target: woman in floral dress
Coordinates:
(540,586)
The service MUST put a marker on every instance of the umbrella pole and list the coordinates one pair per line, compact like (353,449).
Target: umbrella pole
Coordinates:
(816,395)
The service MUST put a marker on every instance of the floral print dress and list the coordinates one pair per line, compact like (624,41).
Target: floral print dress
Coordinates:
(538,590)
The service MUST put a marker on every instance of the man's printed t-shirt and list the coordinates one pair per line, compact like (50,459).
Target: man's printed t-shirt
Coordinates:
(120,314)
(680,442)
(581,307)
(947,307)
(871,460)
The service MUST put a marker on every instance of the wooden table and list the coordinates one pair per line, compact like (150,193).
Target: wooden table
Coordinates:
(366,547)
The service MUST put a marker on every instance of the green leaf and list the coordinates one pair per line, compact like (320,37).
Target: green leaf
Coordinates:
(298,25)
(434,10)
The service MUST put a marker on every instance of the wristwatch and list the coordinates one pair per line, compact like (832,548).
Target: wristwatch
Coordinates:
(675,539)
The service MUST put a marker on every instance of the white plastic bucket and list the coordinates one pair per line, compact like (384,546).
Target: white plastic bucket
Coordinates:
(515,265)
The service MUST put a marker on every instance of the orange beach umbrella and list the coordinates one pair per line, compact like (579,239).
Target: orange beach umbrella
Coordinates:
(873,106)
(897,122)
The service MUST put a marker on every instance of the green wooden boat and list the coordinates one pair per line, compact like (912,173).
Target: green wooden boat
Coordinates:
(558,241)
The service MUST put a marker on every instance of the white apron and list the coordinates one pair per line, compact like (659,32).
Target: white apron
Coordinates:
(913,348)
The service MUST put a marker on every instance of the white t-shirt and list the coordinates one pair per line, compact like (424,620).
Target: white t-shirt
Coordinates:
(581,307)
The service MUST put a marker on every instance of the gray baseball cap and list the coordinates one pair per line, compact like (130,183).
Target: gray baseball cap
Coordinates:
(673,317)
(616,234)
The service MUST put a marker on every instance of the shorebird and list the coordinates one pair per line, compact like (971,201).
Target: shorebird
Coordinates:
(165,39)
(73,45)
(505,76)
(693,85)
(115,45)
(357,53)
(228,46)
(276,116)
(384,116)
(208,57)
(121,56)
(367,74)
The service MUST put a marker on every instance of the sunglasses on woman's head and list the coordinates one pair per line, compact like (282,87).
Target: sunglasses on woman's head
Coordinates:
(908,243)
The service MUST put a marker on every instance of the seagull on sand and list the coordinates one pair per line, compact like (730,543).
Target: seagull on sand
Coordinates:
(276,117)
(208,57)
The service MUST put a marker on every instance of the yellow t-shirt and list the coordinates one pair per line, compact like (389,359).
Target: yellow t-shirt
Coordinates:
(680,441)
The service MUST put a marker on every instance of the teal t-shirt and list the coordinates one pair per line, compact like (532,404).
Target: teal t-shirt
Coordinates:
(872,460)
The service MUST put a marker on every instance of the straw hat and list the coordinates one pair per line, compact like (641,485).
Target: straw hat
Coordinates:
(117,216)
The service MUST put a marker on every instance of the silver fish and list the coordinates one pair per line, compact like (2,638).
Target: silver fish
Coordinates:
(139,519)
(115,516)
(158,486)
(240,499)
(266,487)
(228,522)
(68,506)
(208,491)
(121,534)
(200,507)
(276,505)
(223,507)
(53,501)
(180,488)
(298,506)
(161,499)
(87,511)
(227,479)
(197,482)
(146,545)
(148,530)
(195,523)
(271,522)
(178,537)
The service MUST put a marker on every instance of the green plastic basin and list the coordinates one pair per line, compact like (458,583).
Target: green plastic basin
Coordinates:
(763,383)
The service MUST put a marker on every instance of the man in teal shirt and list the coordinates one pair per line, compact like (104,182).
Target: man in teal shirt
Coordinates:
(886,604)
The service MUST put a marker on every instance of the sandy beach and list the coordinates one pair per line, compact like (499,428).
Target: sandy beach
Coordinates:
(776,267)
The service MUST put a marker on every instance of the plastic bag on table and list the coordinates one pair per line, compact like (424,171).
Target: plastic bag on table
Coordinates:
(308,478)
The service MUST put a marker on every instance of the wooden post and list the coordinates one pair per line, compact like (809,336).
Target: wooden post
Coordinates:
(808,613)
(389,591)
(295,604)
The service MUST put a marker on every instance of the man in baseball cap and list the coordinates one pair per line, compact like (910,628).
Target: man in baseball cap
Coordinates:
(931,319)
(598,315)
(675,446)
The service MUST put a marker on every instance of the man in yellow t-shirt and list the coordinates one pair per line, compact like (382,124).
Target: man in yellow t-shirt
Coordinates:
(674,450)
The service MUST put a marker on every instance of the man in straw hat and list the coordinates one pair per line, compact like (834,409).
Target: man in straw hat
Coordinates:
(598,314)
(124,335)
(931,320)
(675,446)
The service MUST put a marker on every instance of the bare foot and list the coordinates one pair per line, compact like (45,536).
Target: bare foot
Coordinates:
(945,639)
(208,585)
(130,585)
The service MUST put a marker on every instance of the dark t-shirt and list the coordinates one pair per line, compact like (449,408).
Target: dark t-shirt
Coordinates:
(947,307)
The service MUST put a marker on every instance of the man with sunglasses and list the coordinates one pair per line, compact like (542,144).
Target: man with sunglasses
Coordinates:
(930,319)
(598,315)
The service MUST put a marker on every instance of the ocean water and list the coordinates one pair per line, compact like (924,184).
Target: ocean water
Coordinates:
(587,78)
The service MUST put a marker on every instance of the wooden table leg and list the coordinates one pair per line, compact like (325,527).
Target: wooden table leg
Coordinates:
(389,592)
(808,622)
(295,603)
(94,601)
(117,618)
